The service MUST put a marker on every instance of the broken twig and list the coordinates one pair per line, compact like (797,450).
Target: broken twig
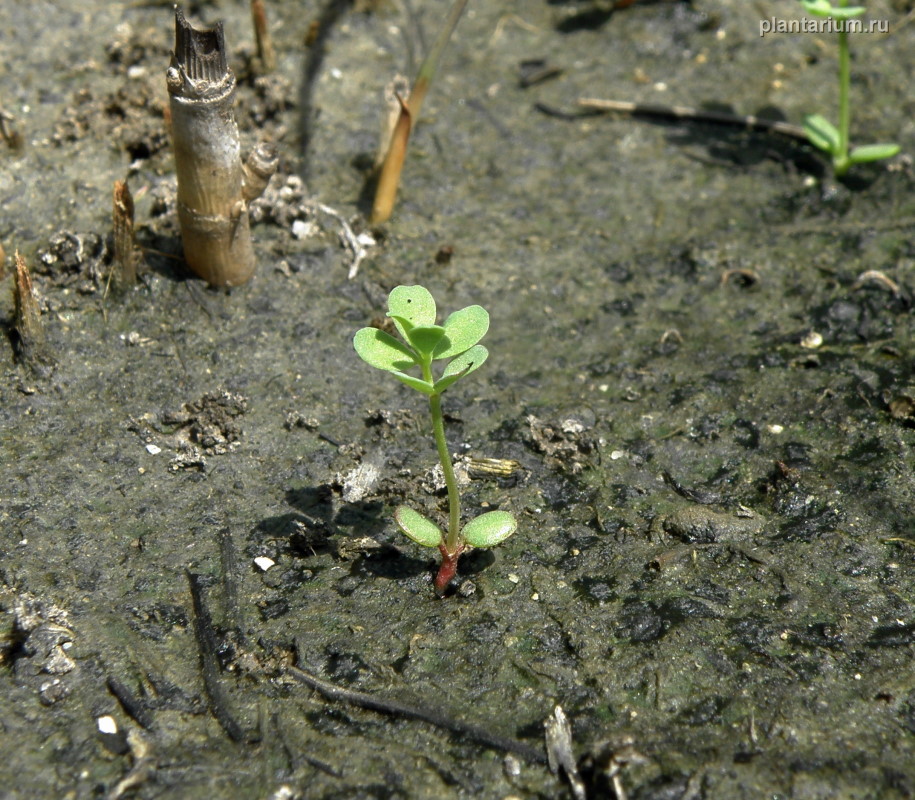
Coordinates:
(433,717)
(206,643)
(687,114)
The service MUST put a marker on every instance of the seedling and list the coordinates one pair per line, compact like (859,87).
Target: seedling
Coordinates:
(820,131)
(412,310)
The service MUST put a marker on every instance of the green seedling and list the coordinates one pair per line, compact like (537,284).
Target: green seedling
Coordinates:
(820,131)
(413,311)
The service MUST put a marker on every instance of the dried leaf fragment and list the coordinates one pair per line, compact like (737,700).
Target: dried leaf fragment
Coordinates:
(559,751)
(124,266)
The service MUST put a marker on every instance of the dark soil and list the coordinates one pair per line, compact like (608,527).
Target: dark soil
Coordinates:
(701,361)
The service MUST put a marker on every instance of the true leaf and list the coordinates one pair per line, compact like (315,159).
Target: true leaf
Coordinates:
(872,152)
(414,383)
(464,364)
(489,529)
(413,304)
(848,12)
(382,350)
(419,528)
(823,8)
(463,330)
(425,338)
(819,8)
(822,133)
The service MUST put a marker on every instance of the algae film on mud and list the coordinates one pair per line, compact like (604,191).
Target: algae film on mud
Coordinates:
(413,312)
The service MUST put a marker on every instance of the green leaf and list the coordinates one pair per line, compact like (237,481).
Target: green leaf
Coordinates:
(464,364)
(463,330)
(848,12)
(425,338)
(414,383)
(489,529)
(417,527)
(822,133)
(819,8)
(411,304)
(383,351)
(872,152)
(823,8)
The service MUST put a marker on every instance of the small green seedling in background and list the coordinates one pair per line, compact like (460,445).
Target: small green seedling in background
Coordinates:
(413,311)
(821,132)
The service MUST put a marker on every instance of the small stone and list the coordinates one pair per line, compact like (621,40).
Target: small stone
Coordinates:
(107,724)
(264,562)
(511,766)
(812,340)
(302,229)
(153,450)
(52,691)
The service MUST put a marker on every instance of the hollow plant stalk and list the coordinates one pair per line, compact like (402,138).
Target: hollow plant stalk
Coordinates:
(452,547)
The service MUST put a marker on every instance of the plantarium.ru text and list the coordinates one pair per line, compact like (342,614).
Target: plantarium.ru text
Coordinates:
(413,311)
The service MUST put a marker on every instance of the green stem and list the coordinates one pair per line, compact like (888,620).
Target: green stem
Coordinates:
(453,539)
(840,159)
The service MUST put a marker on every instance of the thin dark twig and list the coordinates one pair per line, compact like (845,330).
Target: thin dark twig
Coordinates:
(558,113)
(433,717)
(132,707)
(696,495)
(696,115)
(206,643)
(294,756)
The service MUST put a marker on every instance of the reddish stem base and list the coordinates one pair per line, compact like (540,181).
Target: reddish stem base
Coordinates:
(448,568)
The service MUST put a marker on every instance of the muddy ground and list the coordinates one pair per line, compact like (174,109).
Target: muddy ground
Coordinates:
(701,361)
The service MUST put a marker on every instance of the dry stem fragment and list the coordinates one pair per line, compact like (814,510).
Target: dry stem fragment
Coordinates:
(214,187)
(27,315)
(27,318)
(558,734)
(262,38)
(878,277)
(124,264)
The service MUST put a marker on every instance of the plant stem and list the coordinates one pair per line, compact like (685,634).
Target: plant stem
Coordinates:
(840,159)
(452,543)
(452,540)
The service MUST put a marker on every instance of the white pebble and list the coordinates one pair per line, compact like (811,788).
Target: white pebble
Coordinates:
(812,340)
(107,724)
(264,563)
(302,229)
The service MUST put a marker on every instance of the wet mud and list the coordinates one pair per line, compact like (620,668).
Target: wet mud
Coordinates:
(699,403)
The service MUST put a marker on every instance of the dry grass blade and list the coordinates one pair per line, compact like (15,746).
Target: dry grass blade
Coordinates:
(262,38)
(389,178)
